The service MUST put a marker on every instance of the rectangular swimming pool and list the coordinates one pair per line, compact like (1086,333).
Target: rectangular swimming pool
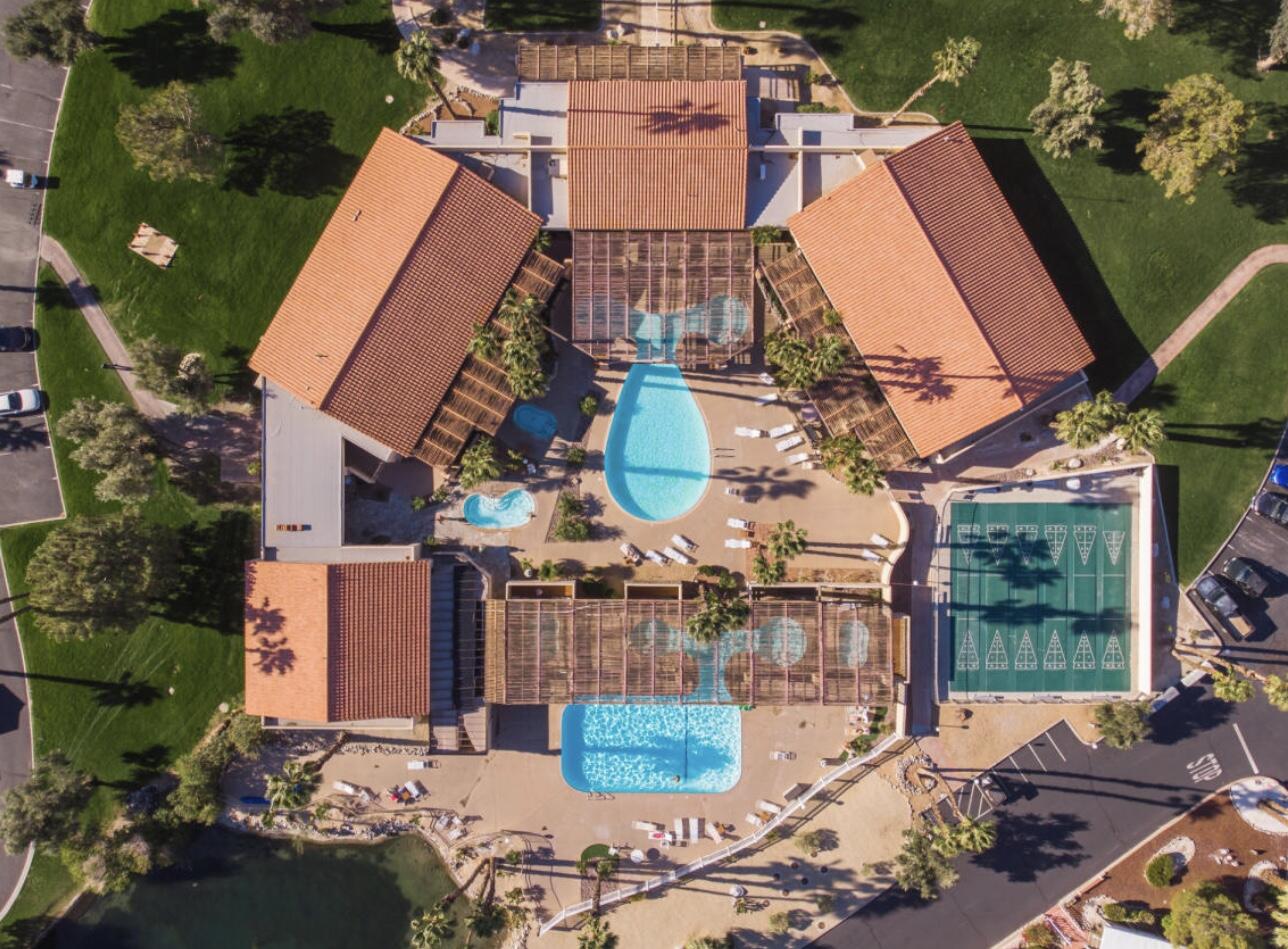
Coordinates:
(651,749)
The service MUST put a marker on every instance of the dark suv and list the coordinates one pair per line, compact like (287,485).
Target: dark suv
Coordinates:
(1243,574)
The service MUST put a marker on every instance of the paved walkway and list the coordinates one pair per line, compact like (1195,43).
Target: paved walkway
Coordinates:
(150,405)
(1203,314)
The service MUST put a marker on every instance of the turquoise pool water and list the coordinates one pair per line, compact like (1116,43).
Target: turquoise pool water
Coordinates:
(658,458)
(535,420)
(649,749)
(512,509)
(721,319)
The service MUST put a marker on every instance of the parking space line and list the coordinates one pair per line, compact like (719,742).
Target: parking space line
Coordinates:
(1251,761)
(1033,751)
(1047,736)
(1018,769)
(26,125)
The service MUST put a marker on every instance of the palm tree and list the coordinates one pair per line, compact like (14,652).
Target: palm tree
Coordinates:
(596,935)
(787,541)
(1276,688)
(417,59)
(975,836)
(764,570)
(829,356)
(479,463)
(952,64)
(793,357)
(486,341)
(1081,425)
(1229,686)
(292,788)
(430,928)
(1123,724)
(864,477)
(1142,430)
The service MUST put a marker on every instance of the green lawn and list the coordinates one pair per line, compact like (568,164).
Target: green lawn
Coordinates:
(124,706)
(1130,263)
(298,116)
(529,15)
(1226,400)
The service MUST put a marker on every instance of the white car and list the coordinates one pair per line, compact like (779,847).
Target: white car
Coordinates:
(21,401)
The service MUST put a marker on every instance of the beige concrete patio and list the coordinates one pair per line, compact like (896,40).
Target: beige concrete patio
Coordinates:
(840,525)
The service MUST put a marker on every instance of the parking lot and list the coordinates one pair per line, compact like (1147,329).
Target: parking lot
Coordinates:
(29,94)
(1266,545)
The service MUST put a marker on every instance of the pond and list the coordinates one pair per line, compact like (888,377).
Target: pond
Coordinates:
(233,890)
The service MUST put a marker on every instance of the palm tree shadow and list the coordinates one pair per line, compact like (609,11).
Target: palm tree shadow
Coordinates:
(176,46)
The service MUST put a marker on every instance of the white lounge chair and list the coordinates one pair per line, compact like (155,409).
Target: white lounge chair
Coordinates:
(631,553)
(809,413)
(881,540)
(695,828)
(344,787)
(755,820)
(782,756)
(797,458)
(677,556)
(417,765)
(679,830)
(768,806)
(809,465)
(457,834)
(767,399)
(648,826)
(767,379)
(737,543)
(735,493)
(870,554)
(665,837)
(743,431)
(737,523)
(713,831)
(683,542)
(778,431)
(415,789)
(788,443)
(657,558)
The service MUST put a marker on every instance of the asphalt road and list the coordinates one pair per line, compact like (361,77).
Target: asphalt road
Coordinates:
(1265,544)
(29,96)
(1072,812)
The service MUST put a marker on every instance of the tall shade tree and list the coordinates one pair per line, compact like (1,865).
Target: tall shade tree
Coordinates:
(485,343)
(596,935)
(1138,17)
(1279,915)
(430,929)
(787,541)
(953,63)
(846,458)
(1276,40)
(1066,118)
(975,836)
(292,787)
(44,809)
(1142,430)
(166,135)
(920,868)
(1207,917)
(417,59)
(113,441)
(53,30)
(1087,422)
(269,21)
(1199,126)
(1123,724)
(166,370)
(723,608)
(92,575)
(479,463)
(524,346)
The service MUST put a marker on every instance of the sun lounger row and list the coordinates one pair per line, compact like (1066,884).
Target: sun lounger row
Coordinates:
(677,556)
(779,431)
(743,431)
(767,399)
(797,458)
(737,543)
(632,554)
(737,523)
(679,540)
(788,443)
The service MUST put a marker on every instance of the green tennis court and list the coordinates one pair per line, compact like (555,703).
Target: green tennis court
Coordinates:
(1040,597)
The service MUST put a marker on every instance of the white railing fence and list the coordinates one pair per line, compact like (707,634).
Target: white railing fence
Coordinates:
(729,850)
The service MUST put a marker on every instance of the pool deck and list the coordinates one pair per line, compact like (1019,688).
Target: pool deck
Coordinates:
(840,524)
(516,795)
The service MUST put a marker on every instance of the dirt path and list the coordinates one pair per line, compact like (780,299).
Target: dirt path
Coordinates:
(1203,314)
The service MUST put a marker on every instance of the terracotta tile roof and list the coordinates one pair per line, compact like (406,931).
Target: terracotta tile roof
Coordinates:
(337,642)
(941,290)
(668,155)
(375,327)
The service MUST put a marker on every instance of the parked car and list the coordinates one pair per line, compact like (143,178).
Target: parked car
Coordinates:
(21,401)
(1213,592)
(1244,574)
(1273,507)
(17,178)
(1279,476)
(17,339)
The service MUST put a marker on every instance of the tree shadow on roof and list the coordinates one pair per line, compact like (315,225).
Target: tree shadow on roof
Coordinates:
(176,46)
(685,118)
(290,153)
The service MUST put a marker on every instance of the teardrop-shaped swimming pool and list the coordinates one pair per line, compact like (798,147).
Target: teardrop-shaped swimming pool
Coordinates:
(658,458)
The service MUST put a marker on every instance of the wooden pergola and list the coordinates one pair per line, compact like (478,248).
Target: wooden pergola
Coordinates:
(682,296)
(850,401)
(794,652)
(549,63)
(480,398)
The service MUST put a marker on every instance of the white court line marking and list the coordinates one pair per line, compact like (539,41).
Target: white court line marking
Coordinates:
(1047,736)
(1011,759)
(1251,761)
(1033,751)
(25,125)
